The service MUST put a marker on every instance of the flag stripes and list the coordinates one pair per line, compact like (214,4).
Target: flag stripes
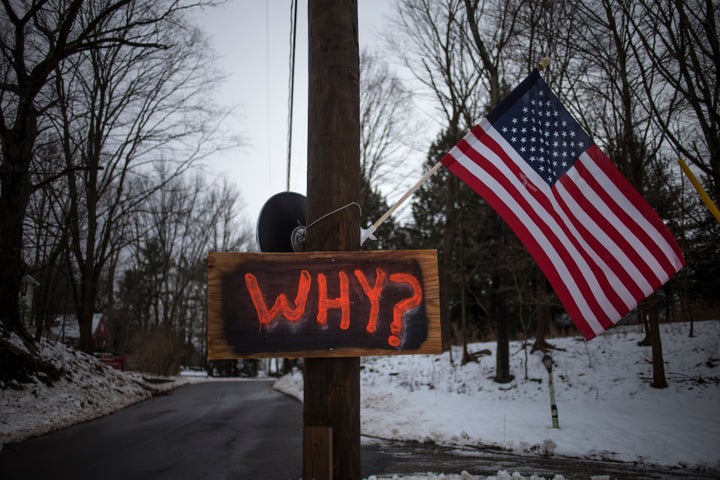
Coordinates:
(601,247)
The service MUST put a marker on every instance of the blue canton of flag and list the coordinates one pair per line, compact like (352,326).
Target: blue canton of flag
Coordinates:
(543,132)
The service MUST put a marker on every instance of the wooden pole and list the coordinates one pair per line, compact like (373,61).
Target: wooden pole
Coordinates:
(332,385)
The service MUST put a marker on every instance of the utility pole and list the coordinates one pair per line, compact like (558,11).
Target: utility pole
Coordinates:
(331,412)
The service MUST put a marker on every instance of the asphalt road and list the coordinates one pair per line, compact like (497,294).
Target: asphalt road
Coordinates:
(247,430)
(211,430)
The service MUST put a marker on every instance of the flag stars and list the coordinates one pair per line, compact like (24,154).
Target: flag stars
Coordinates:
(542,133)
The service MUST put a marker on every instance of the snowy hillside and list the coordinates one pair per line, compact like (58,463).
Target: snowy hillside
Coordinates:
(87,389)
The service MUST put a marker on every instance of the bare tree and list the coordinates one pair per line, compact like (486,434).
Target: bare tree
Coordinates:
(46,241)
(429,40)
(165,289)
(386,122)
(493,29)
(681,40)
(35,39)
(120,109)
(430,43)
(387,130)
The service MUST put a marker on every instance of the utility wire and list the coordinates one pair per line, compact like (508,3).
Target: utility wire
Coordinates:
(293,34)
(267,87)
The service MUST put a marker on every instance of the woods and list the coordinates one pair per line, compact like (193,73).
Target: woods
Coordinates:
(106,108)
(633,89)
(106,113)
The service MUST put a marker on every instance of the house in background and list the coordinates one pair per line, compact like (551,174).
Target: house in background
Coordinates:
(27,288)
(65,328)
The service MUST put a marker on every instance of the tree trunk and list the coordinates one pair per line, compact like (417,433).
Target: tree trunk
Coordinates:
(85,313)
(466,357)
(642,318)
(543,323)
(544,315)
(686,314)
(15,191)
(659,380)
(11,221)
(447,263)
(502,355)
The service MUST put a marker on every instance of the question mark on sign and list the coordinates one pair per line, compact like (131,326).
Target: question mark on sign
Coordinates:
(403,306)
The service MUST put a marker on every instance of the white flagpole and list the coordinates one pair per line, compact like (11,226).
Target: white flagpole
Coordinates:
(366,233)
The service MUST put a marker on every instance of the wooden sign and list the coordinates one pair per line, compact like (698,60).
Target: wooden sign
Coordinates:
(323,304)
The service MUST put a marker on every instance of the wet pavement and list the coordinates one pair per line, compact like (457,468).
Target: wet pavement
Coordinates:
(407,457)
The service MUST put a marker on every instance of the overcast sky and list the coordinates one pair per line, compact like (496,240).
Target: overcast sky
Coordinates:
(252,39)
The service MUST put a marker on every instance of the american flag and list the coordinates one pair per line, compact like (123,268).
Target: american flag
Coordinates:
(600,245)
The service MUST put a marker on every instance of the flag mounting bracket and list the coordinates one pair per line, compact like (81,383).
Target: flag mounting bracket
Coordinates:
(299,233)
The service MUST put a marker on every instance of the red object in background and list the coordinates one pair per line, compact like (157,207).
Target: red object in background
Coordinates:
(116,361)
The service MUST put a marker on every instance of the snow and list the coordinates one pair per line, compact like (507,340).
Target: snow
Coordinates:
(502,475)
(87,389)
(607,409)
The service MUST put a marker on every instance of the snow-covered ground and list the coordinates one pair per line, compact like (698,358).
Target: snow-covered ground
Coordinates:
(607,409)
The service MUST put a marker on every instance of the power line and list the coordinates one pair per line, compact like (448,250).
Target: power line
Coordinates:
(293,32)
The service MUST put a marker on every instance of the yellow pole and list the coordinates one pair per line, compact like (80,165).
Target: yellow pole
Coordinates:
(701,191)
